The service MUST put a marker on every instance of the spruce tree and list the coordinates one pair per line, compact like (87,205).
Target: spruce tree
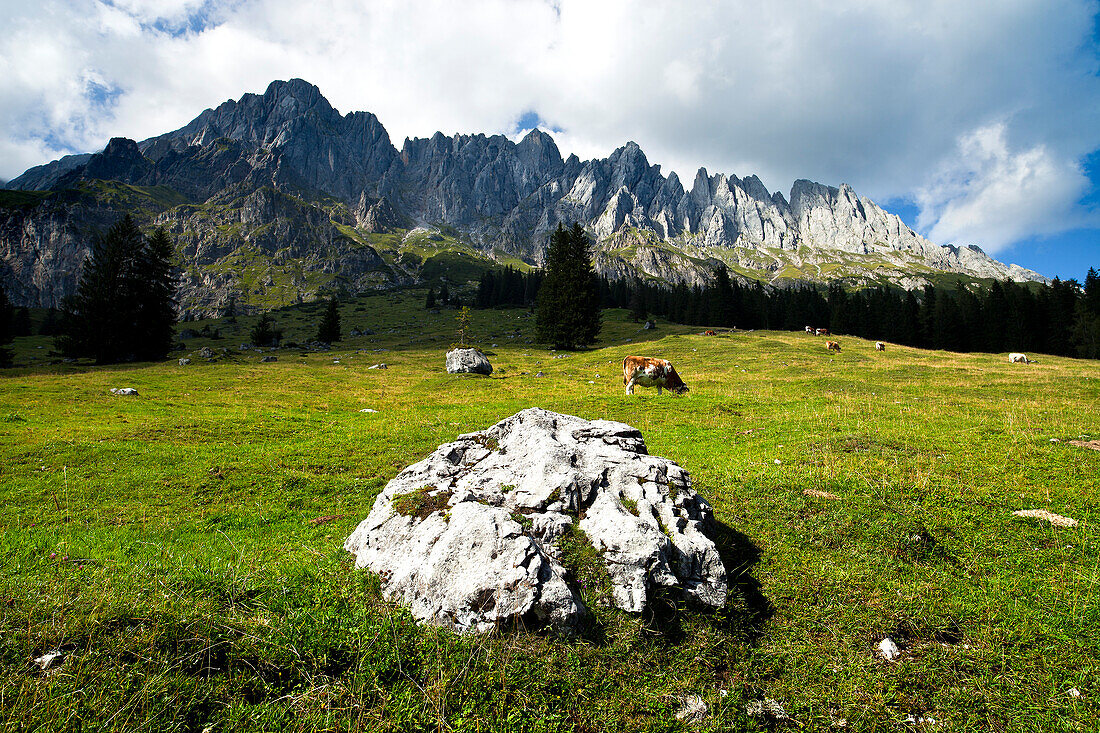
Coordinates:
(123,308)
(21,322)
(329,330)
(154,289)
(264,333)
(429,302)
(6,331)
(568,303)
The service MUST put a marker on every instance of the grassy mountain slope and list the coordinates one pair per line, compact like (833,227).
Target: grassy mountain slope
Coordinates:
(183,547)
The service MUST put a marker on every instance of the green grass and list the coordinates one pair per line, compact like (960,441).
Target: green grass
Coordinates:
(183,547)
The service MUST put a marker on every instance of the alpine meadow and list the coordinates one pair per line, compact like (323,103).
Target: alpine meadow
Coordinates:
(181,548)
(549,366)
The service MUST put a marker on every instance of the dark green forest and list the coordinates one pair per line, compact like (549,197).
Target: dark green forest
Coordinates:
(1062,318)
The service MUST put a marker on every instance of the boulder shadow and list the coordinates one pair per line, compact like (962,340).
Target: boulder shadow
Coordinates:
(747,610)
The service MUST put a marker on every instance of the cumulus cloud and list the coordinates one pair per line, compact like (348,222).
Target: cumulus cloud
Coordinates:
(891,96)
(991,194)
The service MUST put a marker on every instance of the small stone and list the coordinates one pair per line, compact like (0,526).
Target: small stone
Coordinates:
(1055,440)
(367,409)
(49,660)
(124,392)
(1074,692)
(267,359)
(206,352)
(184,362)
(378,366)
(888,649)
(539,374)
(468,361)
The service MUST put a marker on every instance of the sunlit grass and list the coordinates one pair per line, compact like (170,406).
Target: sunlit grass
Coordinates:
(183,547)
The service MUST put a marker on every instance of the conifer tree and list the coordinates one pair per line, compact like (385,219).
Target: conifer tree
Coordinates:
(123,308)
(264,332)
(21,322)
(568,311)
(6,331)
(429,302)
(329,330)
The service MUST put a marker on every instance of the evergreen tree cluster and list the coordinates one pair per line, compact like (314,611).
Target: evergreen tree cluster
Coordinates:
(124,307)
(567,311)
(508,286)
(329,330)
(1062,318)
(7,328)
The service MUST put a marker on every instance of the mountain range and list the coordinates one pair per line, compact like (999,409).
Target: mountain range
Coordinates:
(278,198)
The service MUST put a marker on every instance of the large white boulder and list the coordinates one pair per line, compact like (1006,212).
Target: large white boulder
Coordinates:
(470,536)
(468,361)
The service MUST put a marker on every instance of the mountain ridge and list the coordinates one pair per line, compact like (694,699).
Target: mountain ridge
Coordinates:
(500,197)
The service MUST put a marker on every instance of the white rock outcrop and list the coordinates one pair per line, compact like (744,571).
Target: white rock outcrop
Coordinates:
(470,536)
(468,361)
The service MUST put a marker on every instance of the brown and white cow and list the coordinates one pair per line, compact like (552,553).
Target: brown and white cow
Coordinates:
(832,346)
(880,346)
(648,372)
(810,330)
(822,332)
(709,333)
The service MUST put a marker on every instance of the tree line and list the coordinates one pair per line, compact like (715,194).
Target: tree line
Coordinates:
(1061,318)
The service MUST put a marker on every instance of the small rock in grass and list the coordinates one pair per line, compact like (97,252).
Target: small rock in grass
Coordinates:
(540,374)
(378,366)
(1056,519)
(766,708)
(888,650)
(268,359)
(1055,440)
(206,352)
(184,362)
(49,660)
(1074,692)
(468,361)
(367,409)
(124,391)
(692,709)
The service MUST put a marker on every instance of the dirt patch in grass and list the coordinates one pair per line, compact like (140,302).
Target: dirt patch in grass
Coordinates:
(1090,444)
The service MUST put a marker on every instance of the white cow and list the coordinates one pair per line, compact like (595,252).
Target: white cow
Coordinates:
(1015,358)
(879,346)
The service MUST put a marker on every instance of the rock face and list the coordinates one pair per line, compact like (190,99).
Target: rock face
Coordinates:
(279,195)
(468,361)
(471,535)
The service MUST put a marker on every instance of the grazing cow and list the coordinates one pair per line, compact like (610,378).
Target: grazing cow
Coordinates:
(809,330)
(822,332)
(832,346)
(879,346)
(709,333)
(648,372)
(1018,359)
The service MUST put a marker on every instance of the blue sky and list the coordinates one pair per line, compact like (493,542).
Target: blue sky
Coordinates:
(976,122)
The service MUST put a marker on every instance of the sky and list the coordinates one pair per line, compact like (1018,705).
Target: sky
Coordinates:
(976,122)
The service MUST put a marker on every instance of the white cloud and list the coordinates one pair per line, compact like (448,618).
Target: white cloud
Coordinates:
(991,194)
(875,93)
